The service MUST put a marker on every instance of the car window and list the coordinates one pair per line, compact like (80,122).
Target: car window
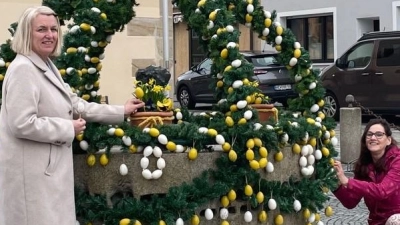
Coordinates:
(205,66)
(264,61)
(360,55)
(388,53)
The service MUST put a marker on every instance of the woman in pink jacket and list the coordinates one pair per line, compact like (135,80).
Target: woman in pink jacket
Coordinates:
(376,176)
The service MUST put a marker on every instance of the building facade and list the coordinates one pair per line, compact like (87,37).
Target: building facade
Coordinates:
(328,28)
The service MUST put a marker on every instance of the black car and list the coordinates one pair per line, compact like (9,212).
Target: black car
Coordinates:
(274,80)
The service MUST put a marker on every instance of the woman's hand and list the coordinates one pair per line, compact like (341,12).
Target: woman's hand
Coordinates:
(79,125)
(340,173)
(132,105)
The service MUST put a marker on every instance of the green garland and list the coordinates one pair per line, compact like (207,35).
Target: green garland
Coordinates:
(215,21)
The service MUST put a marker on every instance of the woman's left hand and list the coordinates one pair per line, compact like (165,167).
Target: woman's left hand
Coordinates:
(132,105)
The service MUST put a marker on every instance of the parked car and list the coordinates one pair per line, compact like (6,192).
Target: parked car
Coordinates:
(370,71)
(192,87)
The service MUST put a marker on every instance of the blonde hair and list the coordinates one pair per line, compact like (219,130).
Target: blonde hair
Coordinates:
(22,41)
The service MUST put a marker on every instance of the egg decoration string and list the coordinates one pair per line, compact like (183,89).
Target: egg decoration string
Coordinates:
(80,109)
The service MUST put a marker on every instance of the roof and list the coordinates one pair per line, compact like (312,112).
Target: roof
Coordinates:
(380,34)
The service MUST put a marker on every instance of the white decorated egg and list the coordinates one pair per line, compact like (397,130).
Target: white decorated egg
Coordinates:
(248,217)
(127,140)
(157,152)
(293,61)
(156,174)
(160,163)
(272,204)
(144,162)
(269,167)
(248,114)
(220,139)
(296,205)
(123,169)
(303,161)
(209,214)
(146,174)
(257,126)
(84,145)
(179,116)
(237,84)
(318,154)
(162,139)
(241,104)
(223,213)
(148,151)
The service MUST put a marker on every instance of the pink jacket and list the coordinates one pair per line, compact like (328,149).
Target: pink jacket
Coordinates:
(381,194)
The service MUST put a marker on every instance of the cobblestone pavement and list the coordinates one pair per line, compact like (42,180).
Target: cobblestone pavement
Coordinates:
(341,215)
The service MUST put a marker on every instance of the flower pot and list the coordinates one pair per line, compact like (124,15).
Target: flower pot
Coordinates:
(150,119)
(266,112)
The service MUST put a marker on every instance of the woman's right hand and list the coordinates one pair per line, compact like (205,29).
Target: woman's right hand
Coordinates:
(79,125)
(340,173)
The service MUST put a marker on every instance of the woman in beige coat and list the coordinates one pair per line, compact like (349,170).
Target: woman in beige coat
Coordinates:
(38,122)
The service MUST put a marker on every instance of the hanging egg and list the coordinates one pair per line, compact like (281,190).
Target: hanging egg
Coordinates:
(123,169)
(298,77)
(92,29)
(197,10)
(179,116)
(320,223)
(272,204)
(334,141)
(203,130)
(146,130)
(157,152)
(311,219)
(285,138)
(250,8)
(210,24)
(248,114)
(96,10)
(241,104)
(310,169)
(257,126)
(278,40)
(70,70)
(102,56)
(229,28)
(314,108)
(111,131)
(179,148)
(305,171)
(304,150)
(209,214)
(92,70)
(162,139)
(148,151)
(303,161)
(270,167)
(74,29)
(179,221)
(156,174)
(267,14)
(312,85)
(269,127)
(327,135)
(248,217)
(223,213)
(318,154)
(127,140)
(139,149)
(293,61)
(144,162)
(296,205)
(161,163)
(265,32)
(236,63)
(311,159)
(94,44)
(231,45)
(237,84)
(296,45)
(109,38)
(146,174)
(220,139)
(310,148)
(83,145)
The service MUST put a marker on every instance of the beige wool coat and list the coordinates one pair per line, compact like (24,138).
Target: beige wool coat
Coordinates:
(36,133)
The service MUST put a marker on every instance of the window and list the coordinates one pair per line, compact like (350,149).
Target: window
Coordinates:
(197,54)
(315,34)
(388,53)
(359,56)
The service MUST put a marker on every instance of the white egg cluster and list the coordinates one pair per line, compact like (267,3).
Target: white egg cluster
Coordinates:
(144,162)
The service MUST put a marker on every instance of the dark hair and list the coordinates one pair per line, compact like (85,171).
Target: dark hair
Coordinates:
(365,158)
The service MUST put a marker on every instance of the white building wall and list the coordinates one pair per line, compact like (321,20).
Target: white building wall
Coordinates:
(351,18)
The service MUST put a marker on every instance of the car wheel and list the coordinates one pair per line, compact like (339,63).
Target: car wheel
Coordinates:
(331,108)
(185,99)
